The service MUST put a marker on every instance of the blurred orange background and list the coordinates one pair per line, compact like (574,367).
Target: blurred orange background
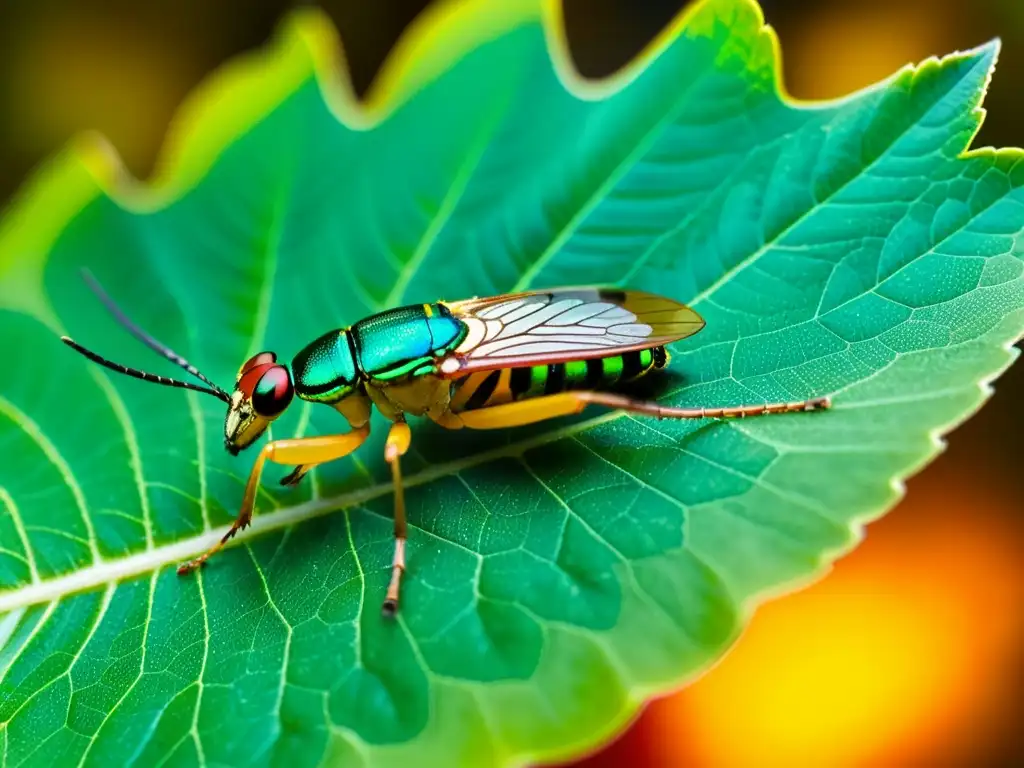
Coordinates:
(911,652)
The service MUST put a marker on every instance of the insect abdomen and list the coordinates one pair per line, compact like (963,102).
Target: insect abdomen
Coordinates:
(489,388)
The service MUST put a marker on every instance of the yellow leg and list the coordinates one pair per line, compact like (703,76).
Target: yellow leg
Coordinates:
(397,444)
(300,450)
(566,403)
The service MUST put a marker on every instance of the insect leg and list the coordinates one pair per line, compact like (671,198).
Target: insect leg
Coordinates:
(397,444)
(566,403)
(299,450)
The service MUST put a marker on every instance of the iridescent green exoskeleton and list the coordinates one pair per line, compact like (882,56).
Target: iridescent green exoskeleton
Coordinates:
(483,363)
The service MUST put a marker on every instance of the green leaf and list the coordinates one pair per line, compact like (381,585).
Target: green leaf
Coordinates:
(558,574)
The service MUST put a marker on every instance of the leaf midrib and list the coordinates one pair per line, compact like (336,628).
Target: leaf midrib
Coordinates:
(107,571)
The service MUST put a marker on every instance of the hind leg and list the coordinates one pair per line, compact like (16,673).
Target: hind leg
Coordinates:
(567,403)
(397,444)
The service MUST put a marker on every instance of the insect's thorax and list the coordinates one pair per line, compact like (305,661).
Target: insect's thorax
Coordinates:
(403,343)
(489,388)
(388,357)
(325,370)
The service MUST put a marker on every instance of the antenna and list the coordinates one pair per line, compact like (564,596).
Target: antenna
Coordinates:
(144,337)
(149,341)
(136,373)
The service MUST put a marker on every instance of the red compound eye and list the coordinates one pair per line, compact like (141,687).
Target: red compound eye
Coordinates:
(263,358)
(273,392)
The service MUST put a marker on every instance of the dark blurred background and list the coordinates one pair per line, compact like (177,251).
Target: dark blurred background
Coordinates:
(911,653)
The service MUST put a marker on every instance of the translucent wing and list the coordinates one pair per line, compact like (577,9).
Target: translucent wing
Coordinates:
(543,327)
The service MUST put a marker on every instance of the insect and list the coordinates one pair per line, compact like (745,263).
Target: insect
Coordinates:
(485,363)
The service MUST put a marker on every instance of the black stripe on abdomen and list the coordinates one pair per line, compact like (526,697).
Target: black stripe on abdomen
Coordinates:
(520,381)
(483,392)
(631,366)
(556,379)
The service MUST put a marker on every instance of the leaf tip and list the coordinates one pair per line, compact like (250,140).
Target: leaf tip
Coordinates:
(990,49)
(982,58)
